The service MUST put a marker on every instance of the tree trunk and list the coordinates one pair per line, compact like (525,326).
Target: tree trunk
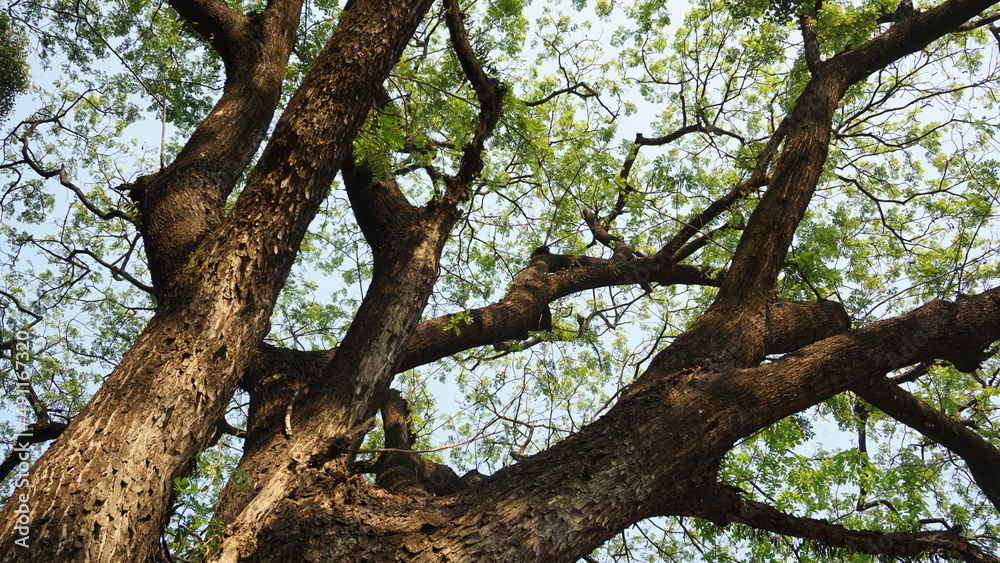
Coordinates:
(101,492)
(657,451)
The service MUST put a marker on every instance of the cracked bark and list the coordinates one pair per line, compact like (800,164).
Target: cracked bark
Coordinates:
(100,492)
(699,396)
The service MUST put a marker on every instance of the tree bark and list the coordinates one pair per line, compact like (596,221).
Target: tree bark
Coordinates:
(654,454)
(101,491)
(657,450)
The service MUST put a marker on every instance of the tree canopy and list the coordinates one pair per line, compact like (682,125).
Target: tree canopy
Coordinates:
(13,67)
(474,281)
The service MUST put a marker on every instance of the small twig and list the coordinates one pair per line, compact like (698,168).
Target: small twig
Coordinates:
(431,450)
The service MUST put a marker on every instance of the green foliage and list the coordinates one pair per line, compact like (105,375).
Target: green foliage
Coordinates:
(781,12)
(457,321)
(193,533)
(13,65)
(905,212)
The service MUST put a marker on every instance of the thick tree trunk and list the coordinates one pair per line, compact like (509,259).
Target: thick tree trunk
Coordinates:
(325,427)
(101,492)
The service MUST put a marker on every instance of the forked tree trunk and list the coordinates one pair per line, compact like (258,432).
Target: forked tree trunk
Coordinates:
(101,491)
(656,453)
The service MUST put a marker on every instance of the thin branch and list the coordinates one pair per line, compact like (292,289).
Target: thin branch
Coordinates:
(489,93)
(22,308)
(116,272)
(979,23)
(699,127)
(703,240)
(614,242)
(428,451)
(575,89)
(758,178)
(60,172)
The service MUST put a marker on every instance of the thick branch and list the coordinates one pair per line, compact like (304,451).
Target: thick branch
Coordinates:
(160,404)
(398,472)
(811,42)
(793,324)
(682,422)
(830,366)
(546,279)
(622,251)
(379,207)
(225,29)
(734,318)
(912,33)
(180,204)
(403,472)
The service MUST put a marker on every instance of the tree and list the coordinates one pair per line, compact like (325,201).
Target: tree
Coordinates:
(815,242)
(13,68)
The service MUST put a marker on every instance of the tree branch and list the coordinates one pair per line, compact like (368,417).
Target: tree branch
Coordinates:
(687,129)
(225,29)
(183,202)
(547,278)
(733,319)
(700,242)
(580,89)
(981,457)
(641,141)
(622,251)
(115,270)
(830,366)
(811,42)
(757,179)
(401,470)
(379,207)
(34,434)
(17,303)
(723,505)
(489,93)
(29,159)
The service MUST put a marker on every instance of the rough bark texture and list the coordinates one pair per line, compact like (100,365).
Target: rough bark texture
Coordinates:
(102,490)
(656,451)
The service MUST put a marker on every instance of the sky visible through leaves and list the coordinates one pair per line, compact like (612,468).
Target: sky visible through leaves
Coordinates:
(905,213)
